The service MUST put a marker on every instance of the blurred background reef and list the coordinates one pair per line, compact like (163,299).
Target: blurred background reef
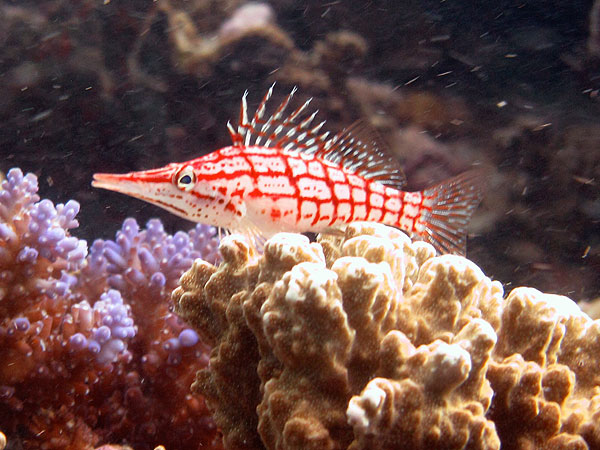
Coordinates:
(115,86)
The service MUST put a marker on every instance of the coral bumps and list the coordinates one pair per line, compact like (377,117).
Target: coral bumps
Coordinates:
(372,342)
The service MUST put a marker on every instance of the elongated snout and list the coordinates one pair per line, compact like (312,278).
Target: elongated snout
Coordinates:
(110,181)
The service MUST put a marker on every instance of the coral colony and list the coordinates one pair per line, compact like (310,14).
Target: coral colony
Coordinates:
(90,352)
(367,341)
(371,341)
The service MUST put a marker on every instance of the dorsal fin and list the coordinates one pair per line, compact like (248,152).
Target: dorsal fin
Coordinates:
(357,148)
(360,149)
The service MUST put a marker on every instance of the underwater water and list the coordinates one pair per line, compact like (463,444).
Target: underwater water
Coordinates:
(118,86)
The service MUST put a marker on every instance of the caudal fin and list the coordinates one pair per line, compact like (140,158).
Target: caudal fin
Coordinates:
(452,204)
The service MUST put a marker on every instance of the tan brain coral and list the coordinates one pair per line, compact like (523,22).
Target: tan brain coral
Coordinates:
(370,341)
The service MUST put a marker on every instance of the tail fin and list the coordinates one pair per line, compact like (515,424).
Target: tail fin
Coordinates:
(452,203)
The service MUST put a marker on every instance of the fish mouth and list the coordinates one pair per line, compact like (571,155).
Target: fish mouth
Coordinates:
(123,184)
(109,181)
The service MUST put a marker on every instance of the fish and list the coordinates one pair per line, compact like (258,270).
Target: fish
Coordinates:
(283,174)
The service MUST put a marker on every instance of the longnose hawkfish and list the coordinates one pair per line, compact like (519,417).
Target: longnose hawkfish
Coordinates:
(283,174)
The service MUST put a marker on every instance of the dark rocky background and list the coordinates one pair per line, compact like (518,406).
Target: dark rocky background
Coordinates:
(94,86)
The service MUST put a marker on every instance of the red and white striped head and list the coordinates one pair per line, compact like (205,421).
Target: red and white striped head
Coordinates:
(177,188)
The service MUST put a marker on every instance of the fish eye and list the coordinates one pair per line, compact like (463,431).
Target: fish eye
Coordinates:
(185,179)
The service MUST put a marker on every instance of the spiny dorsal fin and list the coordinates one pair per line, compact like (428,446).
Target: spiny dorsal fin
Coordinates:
(357,147)
(360,149)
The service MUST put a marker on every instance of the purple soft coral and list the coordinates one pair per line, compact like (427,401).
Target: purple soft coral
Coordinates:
(185,338)
(34,234)
(104,329)
(149,263)
(151,257)
(87,337)
(17,193)
(47,230)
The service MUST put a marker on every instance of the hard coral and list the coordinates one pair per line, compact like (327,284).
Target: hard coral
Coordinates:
(90,352)
(545,372)
(371,341)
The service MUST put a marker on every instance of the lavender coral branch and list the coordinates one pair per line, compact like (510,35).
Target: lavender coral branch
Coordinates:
(146,264)
(37,255)
(104,328)
(90,352)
